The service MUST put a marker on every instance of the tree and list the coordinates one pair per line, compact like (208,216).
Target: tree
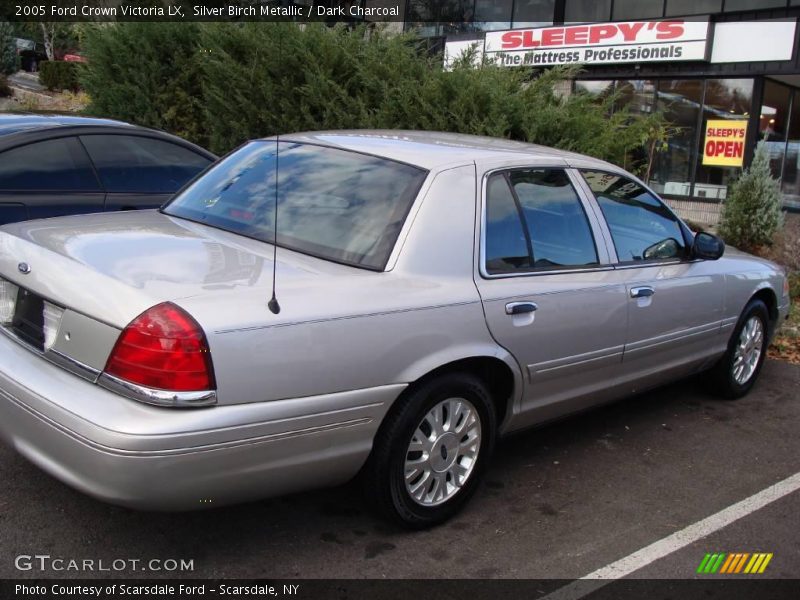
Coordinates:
(146,73)
(8,49)
(751,215)
(55,37)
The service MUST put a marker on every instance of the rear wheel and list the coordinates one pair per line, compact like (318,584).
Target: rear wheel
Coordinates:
(737,371)
(431,451)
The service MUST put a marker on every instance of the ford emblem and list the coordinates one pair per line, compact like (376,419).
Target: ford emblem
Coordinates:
(24,268)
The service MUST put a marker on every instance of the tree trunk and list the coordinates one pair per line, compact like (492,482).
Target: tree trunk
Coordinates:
(48,33)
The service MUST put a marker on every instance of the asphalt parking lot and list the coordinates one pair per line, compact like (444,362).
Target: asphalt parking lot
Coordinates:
(559,502)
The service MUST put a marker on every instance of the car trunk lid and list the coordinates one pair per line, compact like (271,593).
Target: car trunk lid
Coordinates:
(113,267)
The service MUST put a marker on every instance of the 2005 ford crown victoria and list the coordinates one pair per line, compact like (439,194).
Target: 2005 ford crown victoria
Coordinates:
(432,292)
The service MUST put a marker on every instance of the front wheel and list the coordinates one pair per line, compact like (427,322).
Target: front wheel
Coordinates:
(738,369)
(431,451)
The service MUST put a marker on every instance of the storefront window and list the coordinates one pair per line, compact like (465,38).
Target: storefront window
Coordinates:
(637,95)
(598,89)
(493,14)
(625,10)
(693,7)
(679,100)
(582,11)
(726,99)
(772,123)
(791,178)
(533,13)
(456,10)
(734,5)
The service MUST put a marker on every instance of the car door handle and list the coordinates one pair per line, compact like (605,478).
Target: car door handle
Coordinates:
(520,308)
(644,291)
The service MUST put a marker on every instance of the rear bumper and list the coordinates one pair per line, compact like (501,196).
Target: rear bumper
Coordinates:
(147,457)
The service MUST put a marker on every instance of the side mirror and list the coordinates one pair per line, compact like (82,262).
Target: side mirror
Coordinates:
(707,246)
(668,248)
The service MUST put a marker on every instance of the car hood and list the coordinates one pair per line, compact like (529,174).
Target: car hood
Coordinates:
(113,266)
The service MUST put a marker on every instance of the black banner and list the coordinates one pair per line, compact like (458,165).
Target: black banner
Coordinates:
(205,10)
(731,588)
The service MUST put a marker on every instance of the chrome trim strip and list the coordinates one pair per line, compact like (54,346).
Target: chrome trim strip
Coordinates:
(73,366)
(709,330)
(157,397)
(57,358)
(645,264)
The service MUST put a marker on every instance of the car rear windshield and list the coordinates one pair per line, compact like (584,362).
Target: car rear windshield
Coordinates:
(335,204)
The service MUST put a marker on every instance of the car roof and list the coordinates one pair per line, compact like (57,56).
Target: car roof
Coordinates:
(431,150)
(17,122)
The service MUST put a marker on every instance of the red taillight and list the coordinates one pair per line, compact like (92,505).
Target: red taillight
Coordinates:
(163,348)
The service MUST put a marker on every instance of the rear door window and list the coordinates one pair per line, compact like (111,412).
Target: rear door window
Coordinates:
(535,221)
(58,165)
(143,165)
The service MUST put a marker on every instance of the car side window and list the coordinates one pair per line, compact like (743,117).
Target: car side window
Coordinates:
(136,164)
(642,228)
(535,220)
(58,165)
(507,245)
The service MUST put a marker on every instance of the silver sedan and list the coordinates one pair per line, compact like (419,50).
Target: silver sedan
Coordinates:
(378,302)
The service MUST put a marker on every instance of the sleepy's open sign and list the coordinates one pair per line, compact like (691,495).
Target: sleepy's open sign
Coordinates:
(724,146)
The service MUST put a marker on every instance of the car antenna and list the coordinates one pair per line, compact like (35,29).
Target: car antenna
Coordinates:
(273,304)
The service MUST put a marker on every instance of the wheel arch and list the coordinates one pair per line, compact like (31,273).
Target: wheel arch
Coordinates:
(768,296)
(498,371)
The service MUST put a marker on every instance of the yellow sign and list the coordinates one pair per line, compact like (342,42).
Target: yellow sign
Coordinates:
(724,146)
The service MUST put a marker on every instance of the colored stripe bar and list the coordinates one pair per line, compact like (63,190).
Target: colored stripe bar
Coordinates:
(717,563)
(703,563)
(730,564)
(727,564)
(765,563)
(740,564)
(752,566)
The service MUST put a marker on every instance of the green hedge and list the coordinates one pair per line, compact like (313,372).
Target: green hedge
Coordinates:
(57,75)
(147,73)
(220,84)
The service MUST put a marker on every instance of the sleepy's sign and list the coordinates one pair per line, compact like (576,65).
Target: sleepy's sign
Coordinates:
(724,144)
(599,43)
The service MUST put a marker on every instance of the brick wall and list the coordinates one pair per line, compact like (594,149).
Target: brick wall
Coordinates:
(705,213)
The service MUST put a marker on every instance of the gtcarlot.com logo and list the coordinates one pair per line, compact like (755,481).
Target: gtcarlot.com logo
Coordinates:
(734,563)
(45,562)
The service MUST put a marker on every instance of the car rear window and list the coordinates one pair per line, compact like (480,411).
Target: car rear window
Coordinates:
(143,165)
(339,205)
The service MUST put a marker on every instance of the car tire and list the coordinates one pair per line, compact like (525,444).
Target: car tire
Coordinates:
(431,451)
(738,369)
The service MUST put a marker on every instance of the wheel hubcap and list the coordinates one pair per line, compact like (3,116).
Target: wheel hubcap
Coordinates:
(443,451)
(748,350)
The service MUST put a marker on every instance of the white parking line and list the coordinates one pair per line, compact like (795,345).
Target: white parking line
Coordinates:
(680,539)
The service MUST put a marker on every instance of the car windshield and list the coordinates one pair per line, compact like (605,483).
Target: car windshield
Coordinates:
(335,204)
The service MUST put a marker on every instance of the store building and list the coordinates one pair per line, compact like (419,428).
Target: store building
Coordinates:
(726,72)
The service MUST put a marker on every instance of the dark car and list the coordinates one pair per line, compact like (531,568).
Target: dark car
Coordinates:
(62,165)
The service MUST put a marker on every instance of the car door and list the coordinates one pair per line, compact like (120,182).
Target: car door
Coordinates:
(675,304)
(548,290)
(140,172)
(46,179)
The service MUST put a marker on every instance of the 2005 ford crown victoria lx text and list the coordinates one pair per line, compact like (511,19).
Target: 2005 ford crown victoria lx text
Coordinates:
(433,292)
